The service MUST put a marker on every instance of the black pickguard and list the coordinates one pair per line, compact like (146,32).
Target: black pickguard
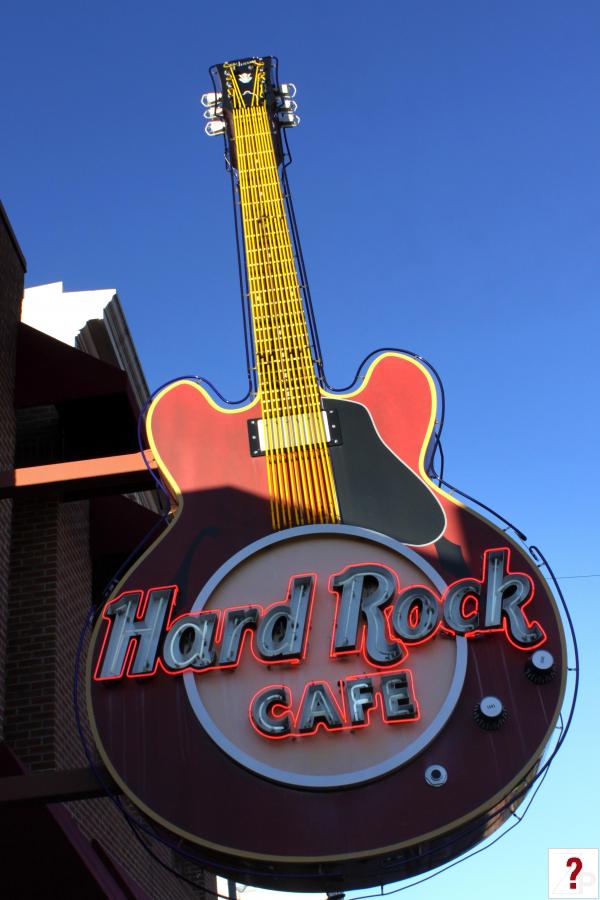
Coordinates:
(376,489)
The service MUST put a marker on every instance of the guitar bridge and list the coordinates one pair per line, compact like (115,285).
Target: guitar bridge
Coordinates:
(298,430)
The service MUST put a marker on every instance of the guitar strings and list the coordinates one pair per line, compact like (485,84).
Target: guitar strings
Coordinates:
(258,322)
(263,325)
(295,382)
(316,439)
(270,300)
(299,473)
(270,183)
(310,411)
(286,382)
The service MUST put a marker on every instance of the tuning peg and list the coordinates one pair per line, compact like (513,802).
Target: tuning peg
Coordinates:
(211,98)
(287,90)
(213,112)
(287,119)
(286,103)
(214,126)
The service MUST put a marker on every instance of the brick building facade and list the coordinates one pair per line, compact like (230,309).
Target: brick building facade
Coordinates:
(61,540)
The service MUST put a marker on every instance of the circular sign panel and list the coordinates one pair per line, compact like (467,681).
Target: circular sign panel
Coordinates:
(227,706)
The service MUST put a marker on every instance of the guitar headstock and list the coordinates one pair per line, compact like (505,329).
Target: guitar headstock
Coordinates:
(244,84)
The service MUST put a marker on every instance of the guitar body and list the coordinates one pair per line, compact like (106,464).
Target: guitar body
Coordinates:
(204,456)
(379,467)
(222,506)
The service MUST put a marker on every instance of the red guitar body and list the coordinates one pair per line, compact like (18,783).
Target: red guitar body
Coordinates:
(221,491)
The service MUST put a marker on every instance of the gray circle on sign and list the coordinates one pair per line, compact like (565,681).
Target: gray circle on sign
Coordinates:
(341,779)
(542,660)
(436,775)
(491,707)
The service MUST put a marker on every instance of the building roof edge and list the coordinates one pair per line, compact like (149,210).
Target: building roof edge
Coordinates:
(12,236)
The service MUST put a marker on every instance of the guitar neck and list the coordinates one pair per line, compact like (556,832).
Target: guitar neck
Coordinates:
(294,431)
(284,360)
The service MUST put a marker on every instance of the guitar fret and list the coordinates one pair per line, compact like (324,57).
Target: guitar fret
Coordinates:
(254,153)
(263,202)
(262,264)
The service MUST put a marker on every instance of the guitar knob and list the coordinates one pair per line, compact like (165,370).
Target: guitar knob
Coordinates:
(540,668)
(489,713)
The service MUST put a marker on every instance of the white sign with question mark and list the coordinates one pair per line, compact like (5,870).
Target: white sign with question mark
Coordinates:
(573,873)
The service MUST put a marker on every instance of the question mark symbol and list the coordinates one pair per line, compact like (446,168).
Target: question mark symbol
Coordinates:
(577,867)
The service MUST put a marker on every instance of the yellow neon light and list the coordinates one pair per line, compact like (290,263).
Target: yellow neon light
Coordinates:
(299,471)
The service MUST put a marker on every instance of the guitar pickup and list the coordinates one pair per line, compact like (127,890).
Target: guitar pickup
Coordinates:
(298,430)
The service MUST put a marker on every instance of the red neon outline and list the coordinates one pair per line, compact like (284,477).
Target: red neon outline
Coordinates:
(413,616)
(376,698)
(391,635)
(133,642)
(159,664)
(188,615)
(292,660)
(262,610)
(379,703)
(411,688)
(286,711)
(362,626)
(409,587)
(342,710)
(504,626)
(248,629)
(474,599)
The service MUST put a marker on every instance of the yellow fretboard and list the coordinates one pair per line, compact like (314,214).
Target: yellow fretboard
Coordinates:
(300,477)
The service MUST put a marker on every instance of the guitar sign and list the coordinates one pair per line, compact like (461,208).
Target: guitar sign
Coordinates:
(323,642)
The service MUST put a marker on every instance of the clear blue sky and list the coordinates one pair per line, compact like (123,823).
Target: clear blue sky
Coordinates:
(446,184)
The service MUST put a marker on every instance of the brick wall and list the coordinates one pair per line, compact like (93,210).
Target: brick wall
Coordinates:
(50,595)
(73,599)
(12,268)
(39,436)
(31,644)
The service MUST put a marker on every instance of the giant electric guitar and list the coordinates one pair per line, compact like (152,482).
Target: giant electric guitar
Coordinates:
(327,671)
